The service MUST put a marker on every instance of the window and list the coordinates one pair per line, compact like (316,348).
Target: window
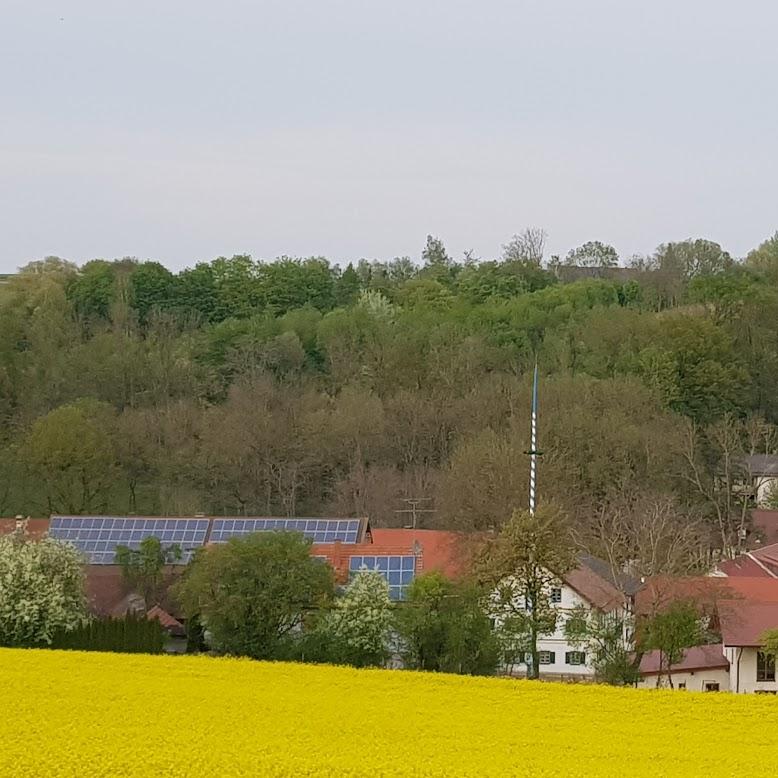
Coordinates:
(556,594)
(546,657)
(682,685)
(575,658)
(710,686)
(765,666)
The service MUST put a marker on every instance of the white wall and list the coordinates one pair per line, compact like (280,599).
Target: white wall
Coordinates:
(557,643)
(695,680)
(745,658)
(763,486)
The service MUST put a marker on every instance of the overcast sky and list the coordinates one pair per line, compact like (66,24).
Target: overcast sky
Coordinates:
(182,130)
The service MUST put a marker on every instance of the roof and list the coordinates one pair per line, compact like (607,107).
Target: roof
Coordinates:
(595,580)
(108,595)
(571,273)
(706,591)
(760,563)
(36,528)
(695,658)
(765,528)
(761,464)
(173,626)
(622,581)
(744,623)
(439,550)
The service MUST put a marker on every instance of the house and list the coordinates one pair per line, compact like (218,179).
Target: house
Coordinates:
(742,626)
(591,585)
(702,669)
(758,477)
(738,608)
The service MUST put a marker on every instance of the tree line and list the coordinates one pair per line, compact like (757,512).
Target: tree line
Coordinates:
(298,387)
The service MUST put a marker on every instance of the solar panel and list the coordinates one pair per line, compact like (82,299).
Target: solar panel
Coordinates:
(317,530)
(397,570)
(98,536)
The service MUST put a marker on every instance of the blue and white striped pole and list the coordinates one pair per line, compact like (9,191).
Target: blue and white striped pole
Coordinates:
(533,462)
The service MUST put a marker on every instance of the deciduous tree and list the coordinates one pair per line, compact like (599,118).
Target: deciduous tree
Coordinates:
(253,594)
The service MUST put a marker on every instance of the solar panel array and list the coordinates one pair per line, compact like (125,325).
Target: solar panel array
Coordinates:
(98,536)
(398,571)
(318,530)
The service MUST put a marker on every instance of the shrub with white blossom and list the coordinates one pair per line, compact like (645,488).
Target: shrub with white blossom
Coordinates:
(41,590)
(358,626)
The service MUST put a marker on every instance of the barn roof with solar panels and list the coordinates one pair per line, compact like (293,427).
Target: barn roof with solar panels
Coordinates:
(347,544)
(98,536)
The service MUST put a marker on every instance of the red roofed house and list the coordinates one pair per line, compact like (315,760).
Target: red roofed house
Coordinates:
(740,608)
(742,626)
(702,669)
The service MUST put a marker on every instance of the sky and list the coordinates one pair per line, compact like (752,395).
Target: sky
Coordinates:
(184,130)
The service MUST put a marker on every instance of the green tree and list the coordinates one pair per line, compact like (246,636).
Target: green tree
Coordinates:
(292,283)
(347,287)
(151,288)
(692,258)
(70,450)
(442,627)
(195,291)
(604,637)
(41,590)
(671,632)
(521,566)
(254,594)
(764,259)
(143,569)
(93,290)
(769,642)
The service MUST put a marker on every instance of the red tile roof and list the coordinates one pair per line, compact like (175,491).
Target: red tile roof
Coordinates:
(761,562)
(706,591)
(744,623)
(439,550)
(695,658)
(36,528)
(765,528)
(593,588)
(173,626)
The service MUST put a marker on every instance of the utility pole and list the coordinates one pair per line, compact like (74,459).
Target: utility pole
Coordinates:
(413,508)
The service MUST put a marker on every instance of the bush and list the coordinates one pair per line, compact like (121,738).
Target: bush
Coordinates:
(443,628)
(130,635)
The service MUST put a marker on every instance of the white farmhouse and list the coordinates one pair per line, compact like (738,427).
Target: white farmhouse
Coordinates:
(592,585)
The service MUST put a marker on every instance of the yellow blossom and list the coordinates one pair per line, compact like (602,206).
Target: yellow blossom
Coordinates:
(90,714)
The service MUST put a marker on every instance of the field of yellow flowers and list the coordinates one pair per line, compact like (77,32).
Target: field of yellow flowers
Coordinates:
(76,714)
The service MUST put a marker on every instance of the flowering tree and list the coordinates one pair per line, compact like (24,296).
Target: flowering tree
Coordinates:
(41,590)
(358,626)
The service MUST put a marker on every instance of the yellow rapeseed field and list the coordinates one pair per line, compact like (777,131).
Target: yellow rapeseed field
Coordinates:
(77,714)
